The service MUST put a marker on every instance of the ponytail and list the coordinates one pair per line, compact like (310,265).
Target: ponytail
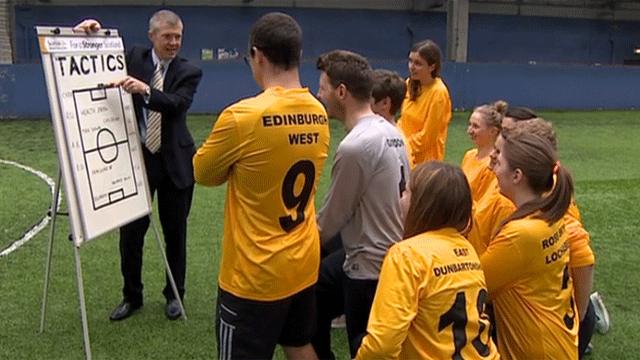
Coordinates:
(552,206)
(536,158)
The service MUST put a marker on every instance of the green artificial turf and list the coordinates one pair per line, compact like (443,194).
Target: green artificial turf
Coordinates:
(600,148)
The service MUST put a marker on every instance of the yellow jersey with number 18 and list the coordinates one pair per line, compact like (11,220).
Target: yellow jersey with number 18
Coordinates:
(430,302)
(270,149)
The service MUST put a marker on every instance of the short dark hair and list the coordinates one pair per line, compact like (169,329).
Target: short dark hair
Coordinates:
(440,198)
(279,37)
(520,113)
(389,83)
(348,68)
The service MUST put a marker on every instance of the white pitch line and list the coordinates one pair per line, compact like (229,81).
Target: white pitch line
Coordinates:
(45,220)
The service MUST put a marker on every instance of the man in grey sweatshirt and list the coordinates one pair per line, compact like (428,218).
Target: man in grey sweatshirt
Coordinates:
(362,207)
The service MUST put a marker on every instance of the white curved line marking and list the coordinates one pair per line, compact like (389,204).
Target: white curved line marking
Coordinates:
(45,220)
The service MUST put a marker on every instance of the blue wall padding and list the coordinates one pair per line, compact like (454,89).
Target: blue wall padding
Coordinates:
(23,93)
(545,63)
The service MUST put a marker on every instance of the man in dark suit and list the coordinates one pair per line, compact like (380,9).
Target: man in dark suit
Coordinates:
(162,85)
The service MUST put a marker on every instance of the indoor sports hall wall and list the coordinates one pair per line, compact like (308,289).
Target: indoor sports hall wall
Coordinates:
(374,33)
(545,63)
(23,94)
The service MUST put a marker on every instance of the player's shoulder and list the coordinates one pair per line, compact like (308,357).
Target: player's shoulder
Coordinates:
(251,108)
(372,129)
(440,90)
(246,106)
(471,153)
(369,137)
(528,229)
(430,245)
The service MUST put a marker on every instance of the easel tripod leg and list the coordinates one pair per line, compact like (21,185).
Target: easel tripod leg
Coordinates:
(166,264)
(52,230)
(83,309)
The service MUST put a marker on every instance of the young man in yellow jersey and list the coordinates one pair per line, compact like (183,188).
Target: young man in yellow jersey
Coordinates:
(362,207)
(270,149)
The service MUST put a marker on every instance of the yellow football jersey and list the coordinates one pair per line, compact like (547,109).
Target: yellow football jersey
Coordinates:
(527,271)
(488,214)
(581,253)
(478,174)
(425,122)
(430,302)
(271,149)
(407,147)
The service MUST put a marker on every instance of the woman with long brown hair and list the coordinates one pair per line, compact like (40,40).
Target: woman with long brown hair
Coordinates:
(426,110)
(526,264)
(431,295)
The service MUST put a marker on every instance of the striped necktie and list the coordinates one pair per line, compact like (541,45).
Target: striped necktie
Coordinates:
(154,118)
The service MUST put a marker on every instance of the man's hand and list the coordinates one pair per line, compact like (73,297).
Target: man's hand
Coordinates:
(88,26)
(132,85)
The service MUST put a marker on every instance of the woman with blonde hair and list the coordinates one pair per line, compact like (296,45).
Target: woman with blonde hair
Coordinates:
(484,128)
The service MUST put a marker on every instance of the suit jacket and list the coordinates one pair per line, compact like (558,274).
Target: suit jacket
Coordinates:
(180,83)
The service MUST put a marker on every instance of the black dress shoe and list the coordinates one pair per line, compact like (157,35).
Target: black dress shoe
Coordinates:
(124,310)
(172,309)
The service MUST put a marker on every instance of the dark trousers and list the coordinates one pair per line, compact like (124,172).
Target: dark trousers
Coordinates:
(173,209)
(587,325)
(337,294)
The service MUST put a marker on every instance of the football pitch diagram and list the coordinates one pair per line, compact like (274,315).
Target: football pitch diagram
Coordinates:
(105,146)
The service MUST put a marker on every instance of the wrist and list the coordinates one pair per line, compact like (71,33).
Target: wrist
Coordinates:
(147,91)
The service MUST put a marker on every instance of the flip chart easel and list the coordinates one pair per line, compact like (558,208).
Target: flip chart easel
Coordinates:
(101,165)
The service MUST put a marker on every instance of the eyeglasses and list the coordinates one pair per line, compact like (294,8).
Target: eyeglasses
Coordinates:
(252,53)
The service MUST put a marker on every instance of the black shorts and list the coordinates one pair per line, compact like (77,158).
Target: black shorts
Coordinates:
(250,329)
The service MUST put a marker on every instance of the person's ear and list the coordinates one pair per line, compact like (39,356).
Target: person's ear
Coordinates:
(386,103)
(518,176)
(341,91)
(257,55)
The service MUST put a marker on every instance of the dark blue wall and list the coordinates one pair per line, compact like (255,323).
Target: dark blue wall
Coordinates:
(375,34)
(23,93)
(542,39)
(511,57)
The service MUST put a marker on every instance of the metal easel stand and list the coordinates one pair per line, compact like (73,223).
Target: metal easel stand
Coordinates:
(166,265)
(79,281)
